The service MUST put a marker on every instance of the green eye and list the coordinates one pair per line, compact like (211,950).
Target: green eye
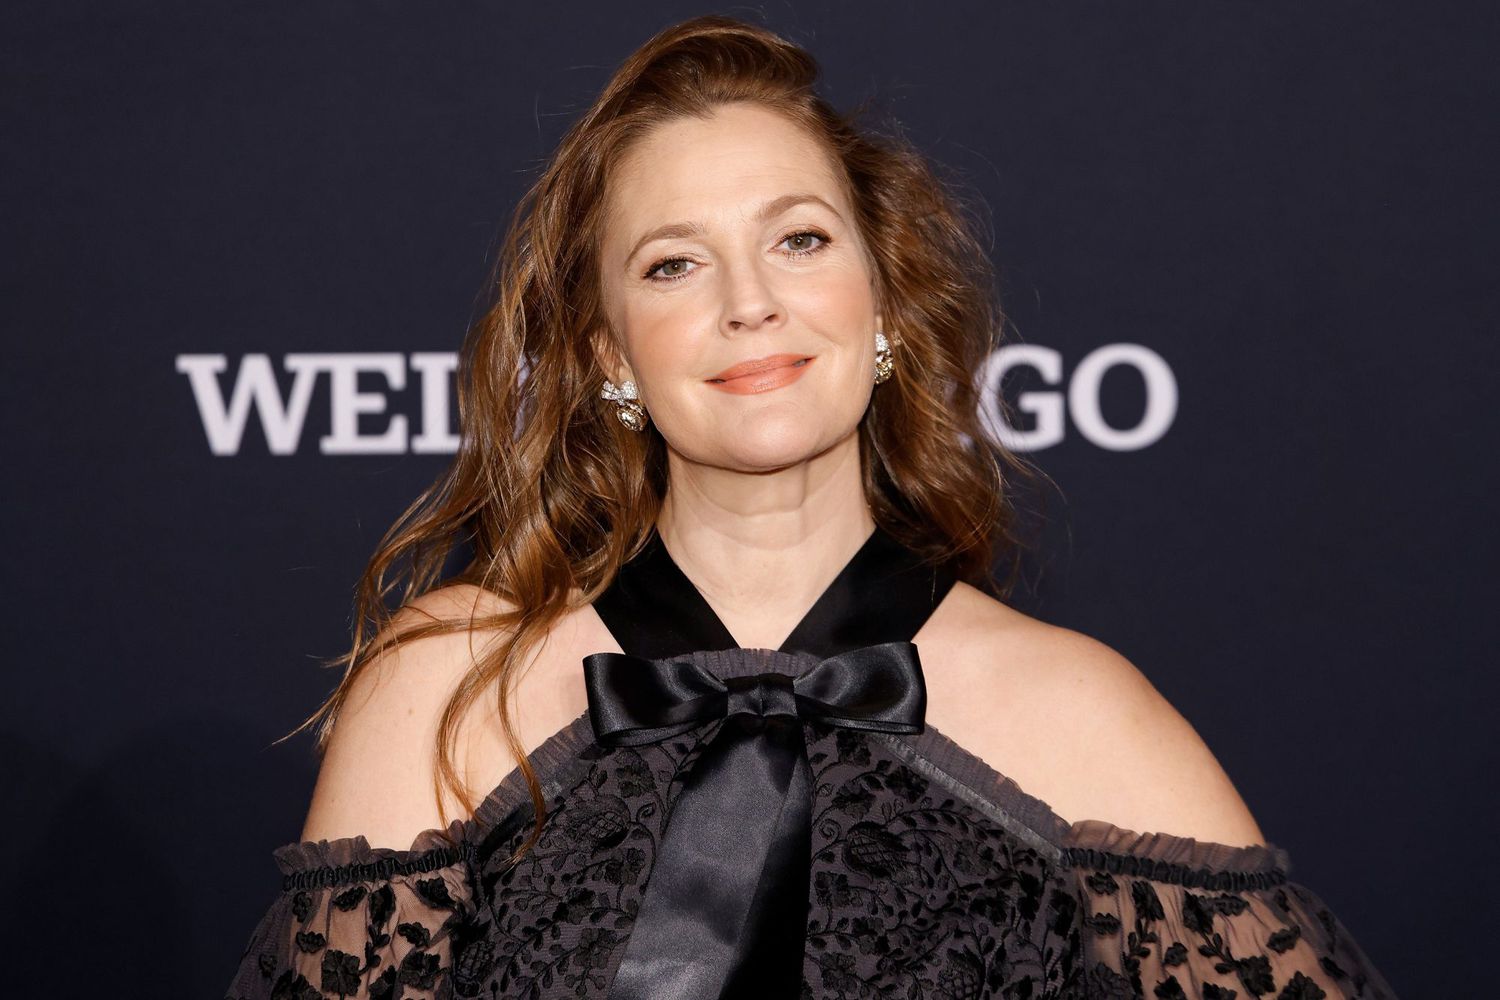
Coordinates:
(806,236)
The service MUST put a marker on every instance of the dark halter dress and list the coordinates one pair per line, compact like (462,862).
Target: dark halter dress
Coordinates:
(727,822)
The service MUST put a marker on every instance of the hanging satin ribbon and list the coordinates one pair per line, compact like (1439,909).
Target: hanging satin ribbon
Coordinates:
(725,909)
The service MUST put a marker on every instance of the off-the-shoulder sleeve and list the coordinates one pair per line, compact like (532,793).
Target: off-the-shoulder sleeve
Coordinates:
(357,921)
(1173,917)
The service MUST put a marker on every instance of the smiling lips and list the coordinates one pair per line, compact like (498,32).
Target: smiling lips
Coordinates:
(761,374)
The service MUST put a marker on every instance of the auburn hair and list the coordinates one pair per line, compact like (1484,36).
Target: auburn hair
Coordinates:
(552,494)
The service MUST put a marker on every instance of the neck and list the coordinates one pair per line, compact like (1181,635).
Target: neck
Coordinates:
(762,546)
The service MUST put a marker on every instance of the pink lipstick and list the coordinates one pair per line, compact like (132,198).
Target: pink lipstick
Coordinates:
(761,374)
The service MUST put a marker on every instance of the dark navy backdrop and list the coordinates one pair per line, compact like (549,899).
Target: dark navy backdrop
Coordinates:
(1279,216)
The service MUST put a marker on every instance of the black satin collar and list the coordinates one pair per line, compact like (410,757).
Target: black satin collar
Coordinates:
(884,593)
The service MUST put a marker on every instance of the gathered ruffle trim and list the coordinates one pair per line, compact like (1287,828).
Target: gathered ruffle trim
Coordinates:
(306,863)
(380,870)
(1018,808)
(1165,857)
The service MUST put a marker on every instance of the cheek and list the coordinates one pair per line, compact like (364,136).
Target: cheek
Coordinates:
(659,337)
(838,303)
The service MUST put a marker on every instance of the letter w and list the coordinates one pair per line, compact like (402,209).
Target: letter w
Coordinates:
(254,384)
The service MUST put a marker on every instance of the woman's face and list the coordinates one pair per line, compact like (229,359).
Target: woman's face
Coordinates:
(729,241)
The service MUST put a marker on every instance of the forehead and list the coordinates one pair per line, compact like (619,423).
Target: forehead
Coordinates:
(715,171)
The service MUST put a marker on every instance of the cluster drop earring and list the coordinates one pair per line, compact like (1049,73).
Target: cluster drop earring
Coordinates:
(884,364)
(627,407)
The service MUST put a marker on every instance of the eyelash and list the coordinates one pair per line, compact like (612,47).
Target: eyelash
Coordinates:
(650,271)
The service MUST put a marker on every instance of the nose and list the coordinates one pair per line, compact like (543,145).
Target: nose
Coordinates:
(750,299)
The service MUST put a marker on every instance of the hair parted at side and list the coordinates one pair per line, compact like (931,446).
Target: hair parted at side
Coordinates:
(549,489)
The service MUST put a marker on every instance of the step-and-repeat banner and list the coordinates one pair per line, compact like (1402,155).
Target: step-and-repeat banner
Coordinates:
(1244,252)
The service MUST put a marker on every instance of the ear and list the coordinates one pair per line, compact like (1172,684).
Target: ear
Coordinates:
(608,355)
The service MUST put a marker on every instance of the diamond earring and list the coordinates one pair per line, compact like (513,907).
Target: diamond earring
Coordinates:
(630,412)
(884,364)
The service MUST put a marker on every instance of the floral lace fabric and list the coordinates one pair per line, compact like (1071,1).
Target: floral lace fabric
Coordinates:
(932,876)
(1172,917)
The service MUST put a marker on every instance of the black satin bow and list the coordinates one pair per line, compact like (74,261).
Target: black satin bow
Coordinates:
(725,909)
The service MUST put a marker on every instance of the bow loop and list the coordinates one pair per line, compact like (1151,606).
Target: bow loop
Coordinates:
(873,687)
(635,700)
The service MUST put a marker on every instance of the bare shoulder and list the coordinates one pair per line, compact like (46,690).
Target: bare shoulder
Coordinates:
(378,771)
(1078,725)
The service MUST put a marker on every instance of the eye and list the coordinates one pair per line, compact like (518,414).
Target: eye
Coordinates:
(806,236)
(664,264)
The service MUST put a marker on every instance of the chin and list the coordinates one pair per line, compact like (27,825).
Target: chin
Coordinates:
(765,449)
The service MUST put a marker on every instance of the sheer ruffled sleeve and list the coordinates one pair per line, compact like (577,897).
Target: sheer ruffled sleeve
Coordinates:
(1171,917)
(357,921)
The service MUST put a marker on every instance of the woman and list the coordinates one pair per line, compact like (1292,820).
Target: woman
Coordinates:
(739,484)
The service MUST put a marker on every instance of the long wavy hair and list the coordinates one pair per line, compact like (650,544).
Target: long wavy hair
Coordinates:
(553,494)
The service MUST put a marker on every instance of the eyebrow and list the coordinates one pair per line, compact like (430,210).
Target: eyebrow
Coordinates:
(771,209)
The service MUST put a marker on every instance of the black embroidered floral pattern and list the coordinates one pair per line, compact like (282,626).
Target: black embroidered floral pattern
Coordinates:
(912,887)
(364,939)
(554,924)
(1266,938)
